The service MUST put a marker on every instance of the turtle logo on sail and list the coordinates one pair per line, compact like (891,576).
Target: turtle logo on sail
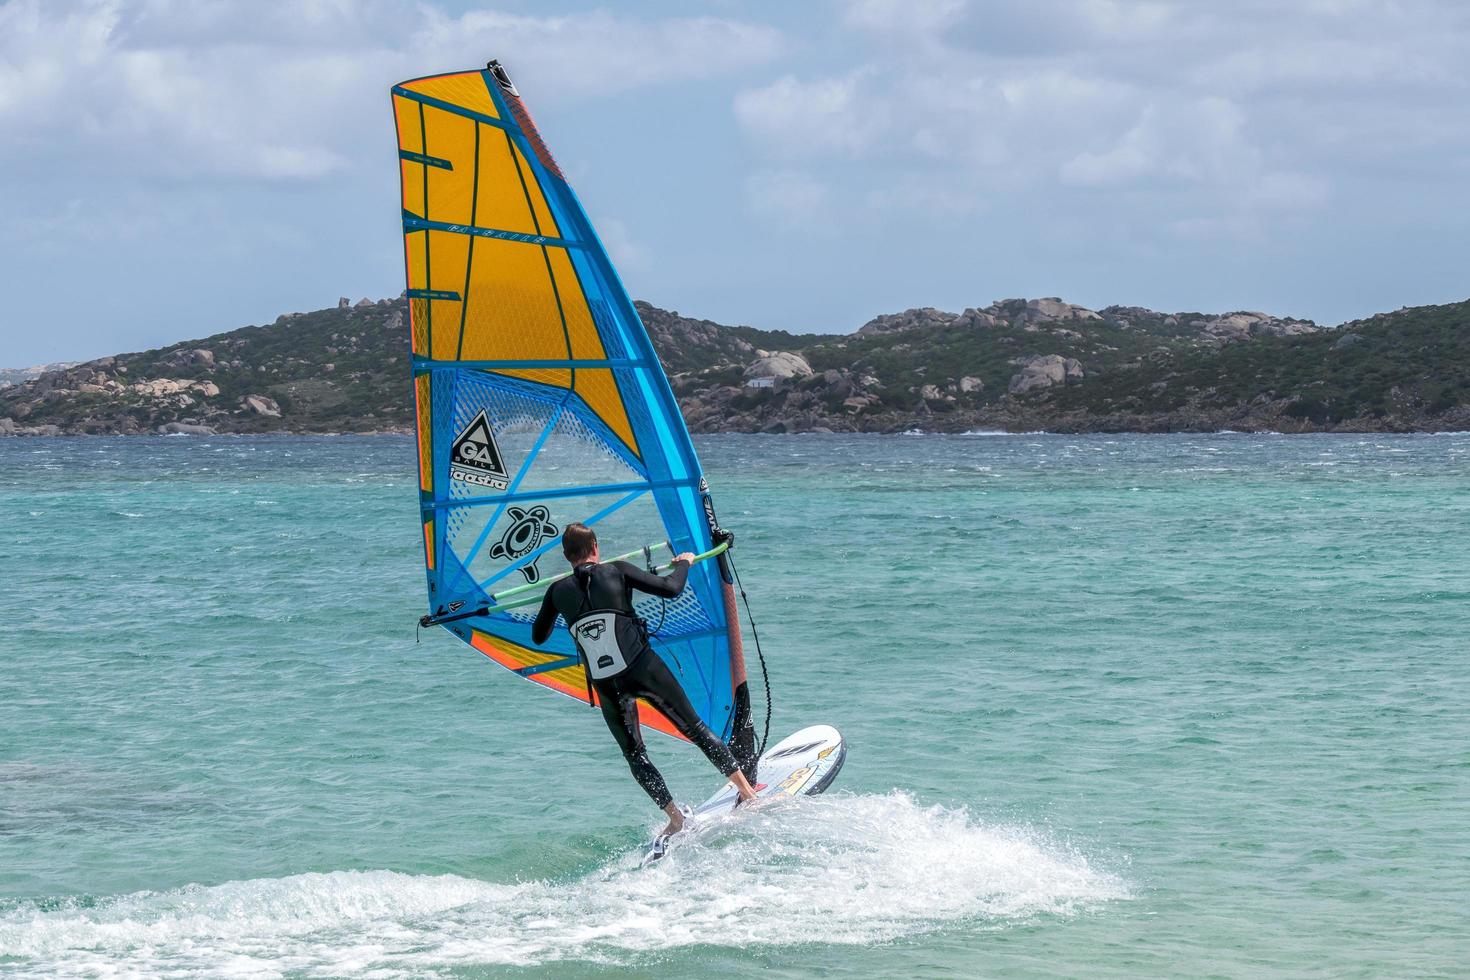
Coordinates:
(475,458)
(528,528)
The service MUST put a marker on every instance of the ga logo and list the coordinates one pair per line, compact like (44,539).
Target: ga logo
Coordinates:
(475,457)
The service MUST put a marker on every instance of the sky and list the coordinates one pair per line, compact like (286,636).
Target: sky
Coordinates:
(174,169)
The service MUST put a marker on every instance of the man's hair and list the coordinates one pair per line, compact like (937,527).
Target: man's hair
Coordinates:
(578,542)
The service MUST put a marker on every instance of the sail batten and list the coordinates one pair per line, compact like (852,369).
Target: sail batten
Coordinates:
(539,398)
(413,222)
(422,364)
(458,110)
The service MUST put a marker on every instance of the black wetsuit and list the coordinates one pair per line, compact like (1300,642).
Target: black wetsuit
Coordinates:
(610,586)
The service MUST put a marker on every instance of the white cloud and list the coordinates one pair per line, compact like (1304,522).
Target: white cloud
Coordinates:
(827,115)
(598,53)
(930,197)
(1130,20)
(919,21)
(1201,146)
(1199,141)
(291,91)
(1134,157)
(789,197)
(1282,192)
(1197,113)
(626,253)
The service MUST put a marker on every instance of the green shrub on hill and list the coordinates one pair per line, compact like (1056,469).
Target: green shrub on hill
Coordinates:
(345,369)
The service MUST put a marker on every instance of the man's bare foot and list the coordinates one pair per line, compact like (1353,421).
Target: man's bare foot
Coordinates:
(676,820)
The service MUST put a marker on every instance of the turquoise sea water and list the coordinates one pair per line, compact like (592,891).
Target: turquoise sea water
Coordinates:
(1117,706)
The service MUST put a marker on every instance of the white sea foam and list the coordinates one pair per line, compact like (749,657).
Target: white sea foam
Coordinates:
(839,869)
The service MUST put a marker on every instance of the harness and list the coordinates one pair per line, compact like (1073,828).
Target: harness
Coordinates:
(609,640)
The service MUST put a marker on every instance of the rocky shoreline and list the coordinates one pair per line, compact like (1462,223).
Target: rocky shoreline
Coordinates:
(1269,417)
(1121,369)
(1016,365)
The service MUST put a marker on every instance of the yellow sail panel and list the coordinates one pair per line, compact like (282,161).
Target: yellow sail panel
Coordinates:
(448,256)
(451,138)
(510,654)
(406,118)
(600,391)
(465,88)
(418,319)
(518,310)
(555,377)
(571,681)
(502,202)
(513,311)
(570,678)
(423,414)
(581,330)
(410,139)
(545,223)
(489,298)
(597,386)
(413,186)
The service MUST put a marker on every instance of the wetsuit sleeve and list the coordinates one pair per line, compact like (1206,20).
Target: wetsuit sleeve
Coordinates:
(665,586)
(545,620)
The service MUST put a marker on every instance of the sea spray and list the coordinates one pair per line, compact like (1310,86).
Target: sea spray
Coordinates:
(836,869)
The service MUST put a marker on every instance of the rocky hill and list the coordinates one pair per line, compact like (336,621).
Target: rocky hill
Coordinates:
(14,376)
(1046,364)
(334,370)
(1015,364)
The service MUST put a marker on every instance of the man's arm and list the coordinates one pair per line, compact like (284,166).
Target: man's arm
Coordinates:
(545,620)
(664,586)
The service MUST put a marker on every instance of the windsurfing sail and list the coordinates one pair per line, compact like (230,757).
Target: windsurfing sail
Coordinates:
(540,401)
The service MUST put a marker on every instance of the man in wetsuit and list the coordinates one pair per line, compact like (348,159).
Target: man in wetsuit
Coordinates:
(596,601)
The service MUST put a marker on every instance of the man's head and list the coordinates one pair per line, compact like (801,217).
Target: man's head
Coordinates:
(579,543)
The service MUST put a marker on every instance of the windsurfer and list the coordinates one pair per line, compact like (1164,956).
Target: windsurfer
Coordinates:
(597,603)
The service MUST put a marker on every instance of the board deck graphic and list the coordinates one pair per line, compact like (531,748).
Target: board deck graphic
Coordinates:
(802,764)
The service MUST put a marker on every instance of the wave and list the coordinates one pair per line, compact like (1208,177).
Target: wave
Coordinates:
(838,869)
